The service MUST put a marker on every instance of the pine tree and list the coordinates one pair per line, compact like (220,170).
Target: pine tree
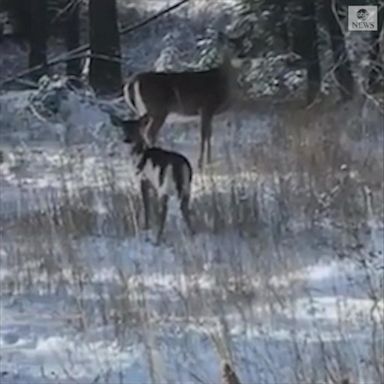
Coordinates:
(343,71)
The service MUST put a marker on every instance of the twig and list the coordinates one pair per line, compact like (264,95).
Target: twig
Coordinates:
(36,114)
(152,18)
(89,55)
(71,4)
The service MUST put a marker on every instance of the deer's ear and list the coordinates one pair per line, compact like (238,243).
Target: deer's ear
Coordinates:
(116,120)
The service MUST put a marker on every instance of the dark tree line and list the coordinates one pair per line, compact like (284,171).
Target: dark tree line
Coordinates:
(33,23)
(304,19)
(294,23)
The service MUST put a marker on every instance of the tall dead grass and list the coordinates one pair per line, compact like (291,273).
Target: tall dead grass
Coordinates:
(308,178)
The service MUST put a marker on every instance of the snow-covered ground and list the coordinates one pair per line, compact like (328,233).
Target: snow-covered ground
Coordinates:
(284,276)
(278,327)
(87,298)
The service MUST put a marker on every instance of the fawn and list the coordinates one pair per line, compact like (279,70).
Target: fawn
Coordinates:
(167,172)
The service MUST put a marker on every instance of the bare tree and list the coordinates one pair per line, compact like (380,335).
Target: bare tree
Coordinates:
(343,71)
(105,69)
(305,43)
(72,36)
(376,73)
(37,36)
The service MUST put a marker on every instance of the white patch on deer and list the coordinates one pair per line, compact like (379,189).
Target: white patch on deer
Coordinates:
(151,173)
(175,117)
(140,106)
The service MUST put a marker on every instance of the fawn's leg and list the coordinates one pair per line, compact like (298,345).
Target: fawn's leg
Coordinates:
(144,185)
(208,138)
(205,133)
(184,207)
(163,214)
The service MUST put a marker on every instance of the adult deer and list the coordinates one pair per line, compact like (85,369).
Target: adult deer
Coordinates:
(192,93)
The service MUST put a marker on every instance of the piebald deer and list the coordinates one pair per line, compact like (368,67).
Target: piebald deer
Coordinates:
(191,93)
(168,173)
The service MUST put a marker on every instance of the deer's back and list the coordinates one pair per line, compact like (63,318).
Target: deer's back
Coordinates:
(183,92)
(168,172)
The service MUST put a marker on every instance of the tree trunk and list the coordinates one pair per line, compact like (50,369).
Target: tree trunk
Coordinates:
(38,37)
(343,71)
(19,11)
(72,37)
(104,73)
(305,43)
(376,72)
(280,8)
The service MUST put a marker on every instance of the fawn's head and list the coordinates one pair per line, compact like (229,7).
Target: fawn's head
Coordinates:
(132,129)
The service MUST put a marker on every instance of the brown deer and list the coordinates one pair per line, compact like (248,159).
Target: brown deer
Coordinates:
(191,93)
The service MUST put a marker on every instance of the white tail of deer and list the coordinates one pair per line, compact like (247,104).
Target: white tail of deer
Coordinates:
(191,93)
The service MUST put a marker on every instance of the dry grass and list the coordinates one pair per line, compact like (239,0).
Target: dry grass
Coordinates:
(306,180)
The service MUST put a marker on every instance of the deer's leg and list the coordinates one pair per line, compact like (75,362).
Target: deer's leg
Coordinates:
(184,207)
(208,138)
(144,185)
(152,129)
(205,129)
(163,215)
